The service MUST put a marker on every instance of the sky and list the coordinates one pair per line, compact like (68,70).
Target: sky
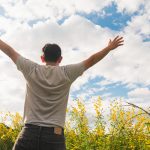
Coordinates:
(81,28)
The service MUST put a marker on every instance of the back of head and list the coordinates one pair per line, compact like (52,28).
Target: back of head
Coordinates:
(52,52)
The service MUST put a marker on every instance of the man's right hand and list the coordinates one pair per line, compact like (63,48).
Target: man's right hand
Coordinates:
(117,41)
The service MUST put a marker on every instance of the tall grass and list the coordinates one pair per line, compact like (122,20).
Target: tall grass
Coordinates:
(128,129)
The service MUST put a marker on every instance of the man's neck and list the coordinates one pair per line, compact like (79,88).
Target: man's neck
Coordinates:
(52,63)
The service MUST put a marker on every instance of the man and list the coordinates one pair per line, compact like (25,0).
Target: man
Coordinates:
(47,94)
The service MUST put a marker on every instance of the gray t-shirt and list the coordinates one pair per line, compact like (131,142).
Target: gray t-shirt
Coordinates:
(47,90)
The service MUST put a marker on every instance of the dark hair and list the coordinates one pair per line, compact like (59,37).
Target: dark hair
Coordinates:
(51,52)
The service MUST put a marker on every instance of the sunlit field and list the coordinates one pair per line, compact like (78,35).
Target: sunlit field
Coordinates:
(128,129)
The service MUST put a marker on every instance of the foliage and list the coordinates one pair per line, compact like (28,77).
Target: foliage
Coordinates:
(127,129)
(8,134)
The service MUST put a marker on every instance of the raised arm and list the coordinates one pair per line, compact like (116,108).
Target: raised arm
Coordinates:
(92,60)
(9,51)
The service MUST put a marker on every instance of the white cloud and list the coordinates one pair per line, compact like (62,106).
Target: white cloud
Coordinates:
(146,9)
(128,6)
(52,9)
(139,25)
(12,89)
(105,82)
(142,93)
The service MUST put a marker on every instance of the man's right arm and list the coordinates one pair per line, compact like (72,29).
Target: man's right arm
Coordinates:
(92,60)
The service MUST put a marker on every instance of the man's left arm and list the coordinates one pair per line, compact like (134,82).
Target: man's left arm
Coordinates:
(9,51)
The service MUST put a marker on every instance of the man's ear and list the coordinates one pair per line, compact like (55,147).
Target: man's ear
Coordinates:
(60,59)
(42,58)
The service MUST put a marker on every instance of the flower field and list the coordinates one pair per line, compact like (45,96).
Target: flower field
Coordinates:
(129,129)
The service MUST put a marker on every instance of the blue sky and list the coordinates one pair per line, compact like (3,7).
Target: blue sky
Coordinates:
(81,28)
(109,17)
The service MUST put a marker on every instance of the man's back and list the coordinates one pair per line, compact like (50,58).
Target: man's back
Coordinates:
(47,91)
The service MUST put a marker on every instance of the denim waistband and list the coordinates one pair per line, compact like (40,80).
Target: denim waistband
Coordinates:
(43,128)
(37,126)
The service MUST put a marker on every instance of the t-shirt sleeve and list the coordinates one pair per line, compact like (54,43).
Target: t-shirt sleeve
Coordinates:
(73,71)
(24,65)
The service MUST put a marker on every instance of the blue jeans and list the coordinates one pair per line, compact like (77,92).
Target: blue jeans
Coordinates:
(34,137)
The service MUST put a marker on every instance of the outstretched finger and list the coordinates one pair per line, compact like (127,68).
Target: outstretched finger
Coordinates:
(120,38)
(120,44)
(120,41)
(116,38)
(109,41)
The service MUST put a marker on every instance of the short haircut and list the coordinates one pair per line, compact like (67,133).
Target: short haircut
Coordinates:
(51,52)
